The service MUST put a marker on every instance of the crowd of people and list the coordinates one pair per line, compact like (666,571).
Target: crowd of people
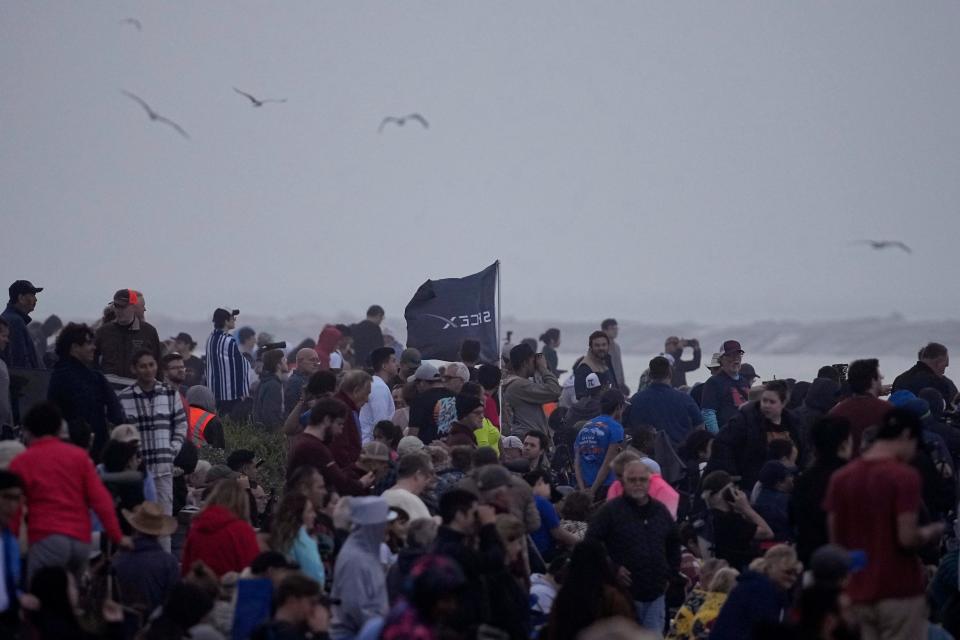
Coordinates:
(468,499)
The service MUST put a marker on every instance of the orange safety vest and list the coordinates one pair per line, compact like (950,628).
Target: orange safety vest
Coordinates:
(198,421)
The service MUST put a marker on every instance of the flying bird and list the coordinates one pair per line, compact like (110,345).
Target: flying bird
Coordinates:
(401,121)
(886,244)
(134,22)
(156,117)
(255,101)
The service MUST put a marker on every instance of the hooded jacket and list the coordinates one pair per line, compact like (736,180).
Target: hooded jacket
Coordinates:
(740,448)
(220,540)
(359,581)
(523,399)
(326,344)
(755,599)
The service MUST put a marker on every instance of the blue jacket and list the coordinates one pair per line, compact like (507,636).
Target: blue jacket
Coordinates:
(665,409)
(755,599)
(20,351)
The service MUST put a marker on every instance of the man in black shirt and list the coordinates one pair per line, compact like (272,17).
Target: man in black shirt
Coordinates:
(423,414)
(184,344)
(367,336)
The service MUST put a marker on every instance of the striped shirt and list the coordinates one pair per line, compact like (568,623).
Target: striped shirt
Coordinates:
(227,370)
(162,422)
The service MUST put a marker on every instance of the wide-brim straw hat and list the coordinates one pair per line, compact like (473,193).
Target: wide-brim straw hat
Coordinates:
(149,518)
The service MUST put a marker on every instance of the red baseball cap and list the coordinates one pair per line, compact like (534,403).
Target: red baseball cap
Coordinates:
(731,346)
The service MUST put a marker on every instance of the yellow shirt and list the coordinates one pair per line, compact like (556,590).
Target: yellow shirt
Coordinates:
(488,436)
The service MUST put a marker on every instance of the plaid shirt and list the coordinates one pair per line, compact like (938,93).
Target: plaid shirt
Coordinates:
(162,422)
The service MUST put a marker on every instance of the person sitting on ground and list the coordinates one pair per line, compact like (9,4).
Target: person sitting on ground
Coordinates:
(762,594)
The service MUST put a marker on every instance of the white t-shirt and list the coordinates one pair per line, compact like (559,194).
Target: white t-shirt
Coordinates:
(336,360)
(379,406)
(411,504)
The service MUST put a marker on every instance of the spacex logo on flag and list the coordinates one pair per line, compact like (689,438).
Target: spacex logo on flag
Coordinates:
(470,320)
(444,313)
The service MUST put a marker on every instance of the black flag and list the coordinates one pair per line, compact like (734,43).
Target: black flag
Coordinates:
(444,313)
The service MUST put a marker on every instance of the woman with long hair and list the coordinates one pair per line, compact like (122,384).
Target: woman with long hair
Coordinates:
(551,340)
(221,536)
(292,534)
(762,594)
(589,593)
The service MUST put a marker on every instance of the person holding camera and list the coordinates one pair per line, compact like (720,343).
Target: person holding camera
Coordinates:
(674,347)
(530,386)
(736,526)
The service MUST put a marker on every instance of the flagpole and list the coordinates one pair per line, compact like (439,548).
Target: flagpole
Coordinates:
(499,353)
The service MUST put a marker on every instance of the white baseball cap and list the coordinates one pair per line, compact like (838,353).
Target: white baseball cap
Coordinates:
(593,381)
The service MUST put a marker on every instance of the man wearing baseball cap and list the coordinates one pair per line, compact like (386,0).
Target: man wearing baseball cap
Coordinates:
(725,392)
(19,351)
(117,341)
(228,372)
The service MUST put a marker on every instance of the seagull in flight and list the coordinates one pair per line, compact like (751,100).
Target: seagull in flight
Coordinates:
(156,117)
(134,22)
(255,101)
(886,244)
(401,121)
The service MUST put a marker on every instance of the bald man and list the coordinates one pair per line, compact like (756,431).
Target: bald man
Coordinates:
(307,362)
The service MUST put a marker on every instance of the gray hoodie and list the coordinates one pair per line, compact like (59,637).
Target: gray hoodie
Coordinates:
(359,582)
(525,398)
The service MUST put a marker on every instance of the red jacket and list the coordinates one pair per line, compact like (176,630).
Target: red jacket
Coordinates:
(61,485)
(346,447)
(220,540)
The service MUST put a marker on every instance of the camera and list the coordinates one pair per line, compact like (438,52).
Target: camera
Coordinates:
(273,345)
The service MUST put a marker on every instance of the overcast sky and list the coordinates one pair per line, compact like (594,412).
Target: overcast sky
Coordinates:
(656,161)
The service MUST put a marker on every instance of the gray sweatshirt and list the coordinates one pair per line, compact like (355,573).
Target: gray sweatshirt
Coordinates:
(525,398)
(359,581)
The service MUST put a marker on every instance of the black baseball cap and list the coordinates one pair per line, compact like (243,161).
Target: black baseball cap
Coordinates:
(747,371)
(221,315)
(21,287)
